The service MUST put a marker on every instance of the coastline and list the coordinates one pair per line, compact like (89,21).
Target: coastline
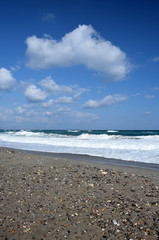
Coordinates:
(59,197)
(118,164)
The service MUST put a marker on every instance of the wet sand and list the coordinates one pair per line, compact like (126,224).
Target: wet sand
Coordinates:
(59,197)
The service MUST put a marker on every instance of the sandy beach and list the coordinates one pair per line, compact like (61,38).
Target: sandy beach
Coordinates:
(46,197)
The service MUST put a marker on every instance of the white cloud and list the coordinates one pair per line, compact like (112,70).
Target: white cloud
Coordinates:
(47,114)
(15,68)
(48,104)
(81,46)
(62,110)
(72,99)
(7,81)
(20,110)
(62,100)
(50,85)
(79,91)
(24,108)
(35,94)
(65,100)
(149,96)
(106,101)
(156,59)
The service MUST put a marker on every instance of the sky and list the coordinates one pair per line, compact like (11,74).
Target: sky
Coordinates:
(79,64)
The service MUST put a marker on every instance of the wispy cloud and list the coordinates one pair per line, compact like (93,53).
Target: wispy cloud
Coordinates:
(48,104)
(48,17)
(156,88)
(20,110)
(106,101)
(65,100)
(15,68)
(147,113)
(136,94)
(81,46)
(156,59)
(6,114)
(24,108)
(149,96)
(62,100)
(84,116)
(69,100)
(28,114)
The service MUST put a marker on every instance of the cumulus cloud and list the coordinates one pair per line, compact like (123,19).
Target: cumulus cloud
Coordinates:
(50,85)
(35,94)
(106,101)
(82,46)
(7,81)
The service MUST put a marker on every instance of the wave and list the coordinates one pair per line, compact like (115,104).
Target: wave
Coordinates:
(73,131)
(95,143)
(82,136)
(112,131)
(133,133)
(90,140)
(23,133)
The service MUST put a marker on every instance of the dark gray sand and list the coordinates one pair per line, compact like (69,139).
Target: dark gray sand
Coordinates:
(45,197)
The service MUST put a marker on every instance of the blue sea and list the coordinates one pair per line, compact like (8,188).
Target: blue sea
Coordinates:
(140,146)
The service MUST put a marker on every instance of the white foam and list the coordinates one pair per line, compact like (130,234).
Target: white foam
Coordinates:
(143,149)
(112,131)
(73,131)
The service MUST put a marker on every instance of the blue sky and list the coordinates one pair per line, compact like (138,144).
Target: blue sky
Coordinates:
(79,64)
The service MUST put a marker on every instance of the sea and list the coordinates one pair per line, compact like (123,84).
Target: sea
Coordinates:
(127,145)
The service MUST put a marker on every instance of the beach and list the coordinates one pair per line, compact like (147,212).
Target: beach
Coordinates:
(54,197)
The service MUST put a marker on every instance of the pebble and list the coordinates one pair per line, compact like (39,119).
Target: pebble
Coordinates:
(50,199)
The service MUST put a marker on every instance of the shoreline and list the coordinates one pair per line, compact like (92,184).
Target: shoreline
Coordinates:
(45,197)
(118,164)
